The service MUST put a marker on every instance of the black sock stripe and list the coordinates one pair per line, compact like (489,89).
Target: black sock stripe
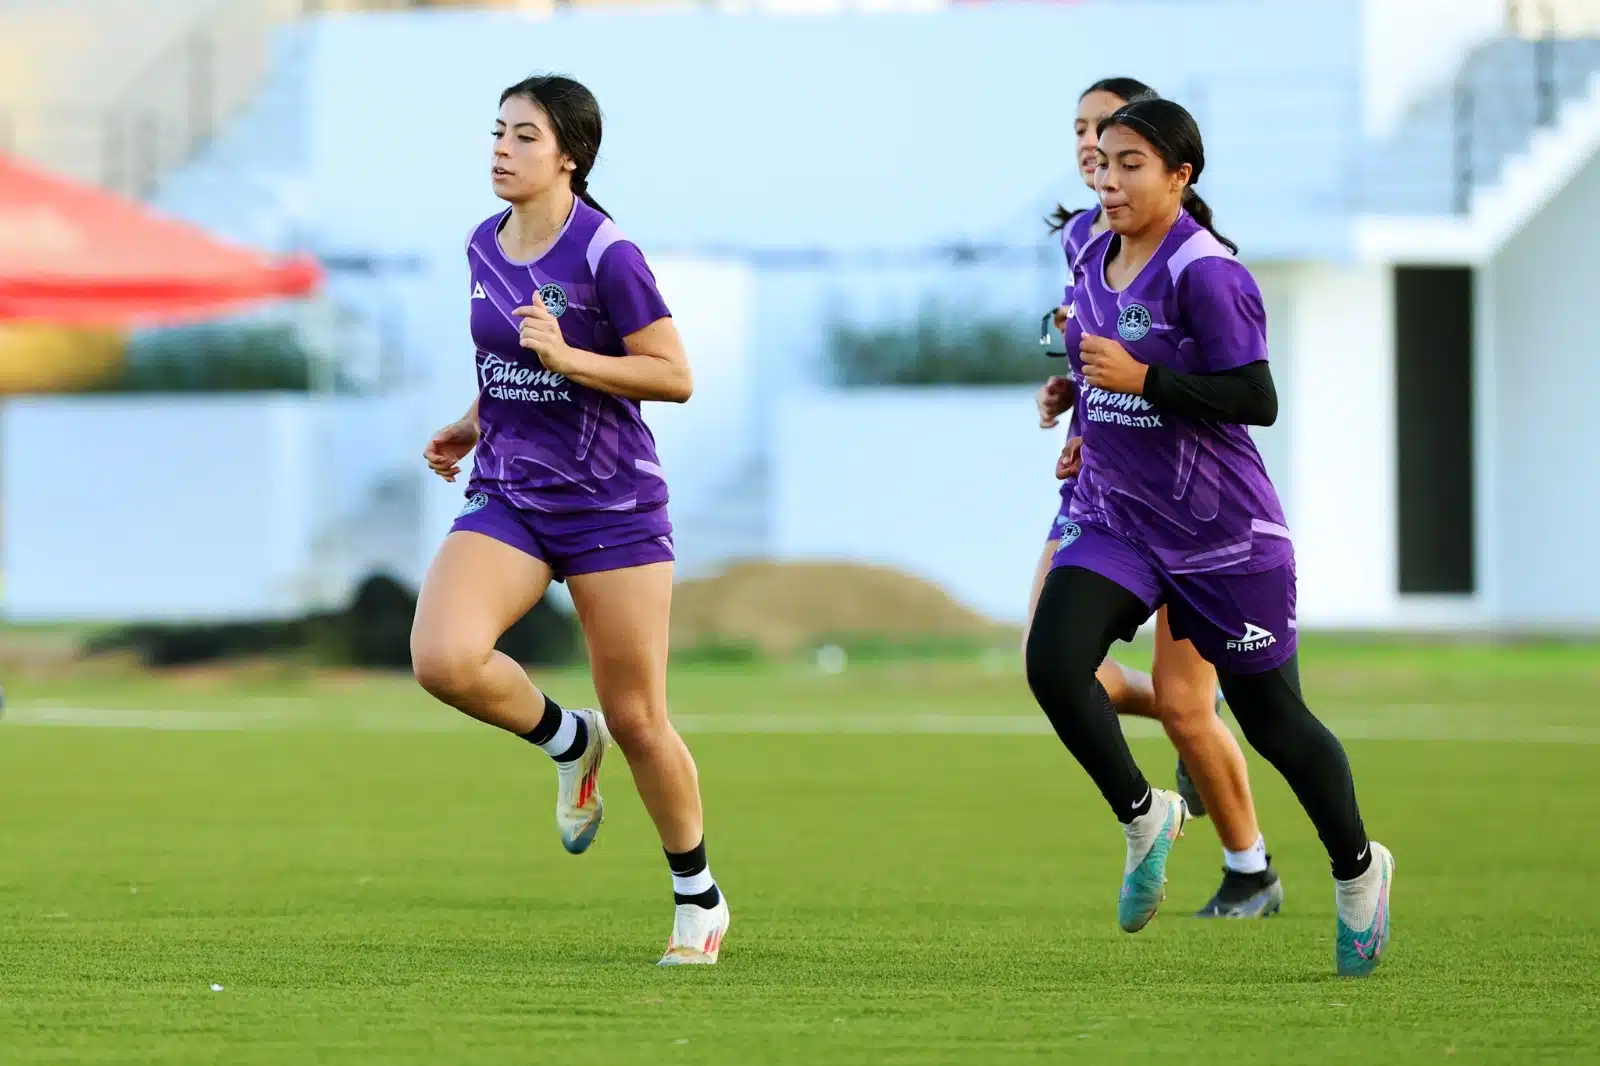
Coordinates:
(687,863)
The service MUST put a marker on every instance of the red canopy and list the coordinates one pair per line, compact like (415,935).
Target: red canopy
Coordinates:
(71,254)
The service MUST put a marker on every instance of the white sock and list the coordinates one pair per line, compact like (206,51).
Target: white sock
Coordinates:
(693,884)
(566,733)
(1251,860)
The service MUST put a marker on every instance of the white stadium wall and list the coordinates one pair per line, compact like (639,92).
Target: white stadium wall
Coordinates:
(955,485)
(207,504)
(1541,439)
(1339,349)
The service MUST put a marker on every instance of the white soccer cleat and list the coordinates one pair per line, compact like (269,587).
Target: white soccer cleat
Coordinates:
(1144,874)
(579,809)
(697,934)
(1361,931)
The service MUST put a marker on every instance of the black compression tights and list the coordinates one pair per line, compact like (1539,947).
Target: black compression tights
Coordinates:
(1080,613)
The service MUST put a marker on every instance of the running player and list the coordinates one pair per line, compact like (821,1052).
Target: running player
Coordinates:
(571,335)
(1173,506)
(1182,691)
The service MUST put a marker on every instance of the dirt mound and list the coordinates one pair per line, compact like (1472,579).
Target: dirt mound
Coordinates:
(781,607)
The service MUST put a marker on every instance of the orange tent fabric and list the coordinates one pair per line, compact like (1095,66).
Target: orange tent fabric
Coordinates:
(72,254)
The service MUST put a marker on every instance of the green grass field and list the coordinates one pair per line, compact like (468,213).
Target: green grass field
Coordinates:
(919,874)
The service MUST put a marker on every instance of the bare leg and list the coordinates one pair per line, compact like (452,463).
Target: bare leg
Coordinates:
(1186,698)
(475,590)
(1131,691)
(624,614)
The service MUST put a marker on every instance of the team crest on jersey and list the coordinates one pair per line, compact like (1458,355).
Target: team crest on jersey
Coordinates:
(475,503)
(555,298)
(1134,322)
(1067,531)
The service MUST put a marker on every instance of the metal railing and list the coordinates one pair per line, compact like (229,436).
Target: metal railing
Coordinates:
(1495,112)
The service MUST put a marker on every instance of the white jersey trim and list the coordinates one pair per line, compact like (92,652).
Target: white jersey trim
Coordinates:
(1203,245)
(604,237)
(1271,529)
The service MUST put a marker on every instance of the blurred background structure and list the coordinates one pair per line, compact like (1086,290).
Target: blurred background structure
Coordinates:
(843,202)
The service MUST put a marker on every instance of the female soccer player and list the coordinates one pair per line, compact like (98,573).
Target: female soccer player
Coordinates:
(1173,507)
(1182,692)
(571,335)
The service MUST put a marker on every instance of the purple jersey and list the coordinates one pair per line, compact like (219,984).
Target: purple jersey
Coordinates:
(1075,236)
(549,444)
(1193,493)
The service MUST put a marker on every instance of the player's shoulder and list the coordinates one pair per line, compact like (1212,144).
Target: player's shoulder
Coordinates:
(1077,232)
(1199,255)
(485,230)
(601,236)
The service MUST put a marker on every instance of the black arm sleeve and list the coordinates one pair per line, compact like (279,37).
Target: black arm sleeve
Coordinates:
(1244,395)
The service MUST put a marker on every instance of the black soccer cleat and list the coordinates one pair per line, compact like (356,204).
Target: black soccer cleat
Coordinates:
(1258,895)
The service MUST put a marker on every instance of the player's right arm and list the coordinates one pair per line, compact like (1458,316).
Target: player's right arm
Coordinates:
(451,444)
(1054,399)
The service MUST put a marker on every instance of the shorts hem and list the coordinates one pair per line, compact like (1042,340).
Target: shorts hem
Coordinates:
(525,545)
(1122,565)
(619,557)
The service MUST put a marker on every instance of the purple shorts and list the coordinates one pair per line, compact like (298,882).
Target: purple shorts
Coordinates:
(1240,623)
(572,544)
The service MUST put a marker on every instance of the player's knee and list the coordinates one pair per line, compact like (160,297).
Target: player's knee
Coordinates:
(1187,712)
(446,669)
(636,724)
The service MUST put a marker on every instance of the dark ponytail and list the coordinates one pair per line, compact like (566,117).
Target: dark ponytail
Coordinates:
(1058,219)
(1124,89)
(575,118)
(580,189)
(1175,136)
(1200,211)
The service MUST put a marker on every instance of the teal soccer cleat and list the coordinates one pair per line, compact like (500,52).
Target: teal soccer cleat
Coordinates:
(1362,932)
(1150,839)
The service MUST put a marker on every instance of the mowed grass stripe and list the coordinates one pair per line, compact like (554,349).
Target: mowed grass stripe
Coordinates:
(1377,722)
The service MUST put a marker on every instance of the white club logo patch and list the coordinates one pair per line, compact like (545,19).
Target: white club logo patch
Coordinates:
(476,502)
(1133,323)
(1067,532)
(555,298)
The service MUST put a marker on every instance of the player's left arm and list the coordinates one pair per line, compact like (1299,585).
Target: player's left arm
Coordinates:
(1245,395)
(656,366)
(1224,313)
